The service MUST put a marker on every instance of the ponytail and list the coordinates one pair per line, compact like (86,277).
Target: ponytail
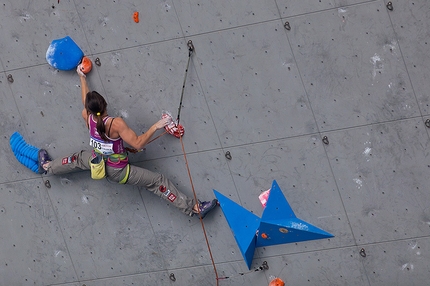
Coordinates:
(96,105)
(101,129)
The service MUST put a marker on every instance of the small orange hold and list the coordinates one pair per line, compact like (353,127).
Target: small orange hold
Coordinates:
(136,17)
(86,65)
(277,282)
(264,236)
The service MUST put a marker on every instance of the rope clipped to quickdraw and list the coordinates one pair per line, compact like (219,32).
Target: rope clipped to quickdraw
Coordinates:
(190,52)
(174,128)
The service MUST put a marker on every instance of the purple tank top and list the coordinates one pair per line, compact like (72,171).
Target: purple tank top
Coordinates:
(113,146)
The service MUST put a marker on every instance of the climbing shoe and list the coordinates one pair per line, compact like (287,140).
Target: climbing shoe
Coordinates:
(206,207)
(43,158)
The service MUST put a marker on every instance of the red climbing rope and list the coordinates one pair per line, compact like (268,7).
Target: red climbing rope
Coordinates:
(201,220)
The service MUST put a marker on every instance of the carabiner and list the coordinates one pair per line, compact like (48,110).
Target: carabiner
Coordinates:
(97,62)
(363,252)
(390,6)
(265,266)
(228,155)
(325,140)
(47,184)
(172,277)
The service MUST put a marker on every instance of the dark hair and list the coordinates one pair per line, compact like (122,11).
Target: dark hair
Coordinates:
(95,104)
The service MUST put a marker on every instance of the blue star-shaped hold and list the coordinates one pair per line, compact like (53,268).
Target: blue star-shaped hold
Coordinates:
(278,224)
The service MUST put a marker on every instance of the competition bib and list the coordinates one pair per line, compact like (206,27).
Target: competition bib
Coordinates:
(101,146)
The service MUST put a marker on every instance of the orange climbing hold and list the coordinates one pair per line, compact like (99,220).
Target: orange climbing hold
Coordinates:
(264,236)
(277,282)
(85,65)
(136,17)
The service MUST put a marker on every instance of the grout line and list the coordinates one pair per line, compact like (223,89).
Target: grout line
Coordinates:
(404,63)
(347,246)
(222,148)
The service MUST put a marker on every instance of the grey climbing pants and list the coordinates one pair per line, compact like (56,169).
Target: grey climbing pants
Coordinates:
(153,182)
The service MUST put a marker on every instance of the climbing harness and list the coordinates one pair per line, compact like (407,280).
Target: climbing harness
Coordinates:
(127,174)
(119,158)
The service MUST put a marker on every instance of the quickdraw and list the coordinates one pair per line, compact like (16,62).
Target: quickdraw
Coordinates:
(190,52)
(10,78)
(287,26)
(173,128)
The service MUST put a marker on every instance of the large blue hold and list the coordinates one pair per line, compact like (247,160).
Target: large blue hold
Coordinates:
(64,54)
(24,153)
(277,225)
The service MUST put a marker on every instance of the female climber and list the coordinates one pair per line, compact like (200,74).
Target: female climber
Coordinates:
(107,137)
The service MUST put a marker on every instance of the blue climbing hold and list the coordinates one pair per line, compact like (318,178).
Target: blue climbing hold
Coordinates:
(278,224)
(32,165)
(244,225)
(19,146)
(24,153)
(64,54)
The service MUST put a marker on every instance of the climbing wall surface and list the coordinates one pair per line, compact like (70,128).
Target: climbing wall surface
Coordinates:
(329,98)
